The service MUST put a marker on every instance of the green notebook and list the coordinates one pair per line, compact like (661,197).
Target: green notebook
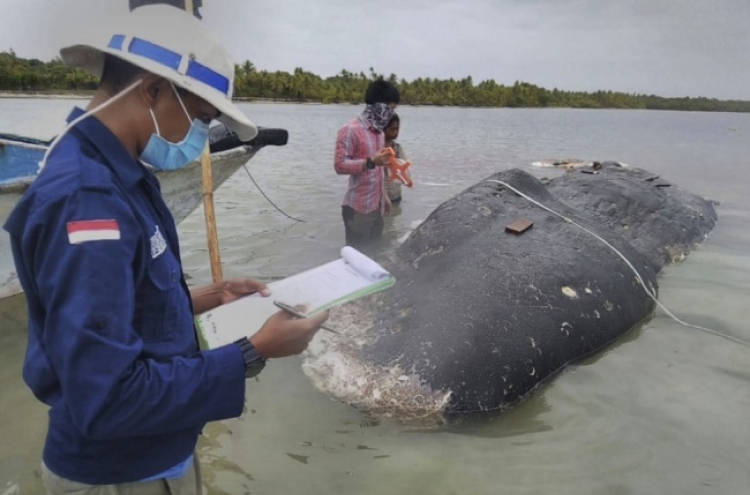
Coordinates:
(351,277)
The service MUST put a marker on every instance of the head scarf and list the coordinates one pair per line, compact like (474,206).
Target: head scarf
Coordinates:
(378,115)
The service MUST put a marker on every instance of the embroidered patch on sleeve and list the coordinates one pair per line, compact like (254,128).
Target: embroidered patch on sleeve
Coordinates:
(158,244)
(93,230)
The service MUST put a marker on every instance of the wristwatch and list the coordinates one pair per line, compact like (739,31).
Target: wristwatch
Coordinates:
(254,362)
(370,164)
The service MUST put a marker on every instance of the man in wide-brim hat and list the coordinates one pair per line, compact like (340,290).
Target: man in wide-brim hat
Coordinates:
(112,345)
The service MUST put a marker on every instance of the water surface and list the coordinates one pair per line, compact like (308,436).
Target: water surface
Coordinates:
(664,410)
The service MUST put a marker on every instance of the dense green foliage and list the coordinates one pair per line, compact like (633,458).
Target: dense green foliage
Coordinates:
(18,74)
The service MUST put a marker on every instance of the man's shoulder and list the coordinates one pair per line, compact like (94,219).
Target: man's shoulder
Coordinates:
(69,170)
(354,127)
(355,123)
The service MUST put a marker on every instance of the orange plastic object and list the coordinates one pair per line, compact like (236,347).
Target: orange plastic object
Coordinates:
(398,169)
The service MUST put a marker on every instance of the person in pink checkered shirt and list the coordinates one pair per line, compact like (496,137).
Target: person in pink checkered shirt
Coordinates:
(360,154)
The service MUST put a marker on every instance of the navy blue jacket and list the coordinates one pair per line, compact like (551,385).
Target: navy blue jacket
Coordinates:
(112,347)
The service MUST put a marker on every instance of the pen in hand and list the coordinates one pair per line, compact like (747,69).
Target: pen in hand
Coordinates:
(292,311)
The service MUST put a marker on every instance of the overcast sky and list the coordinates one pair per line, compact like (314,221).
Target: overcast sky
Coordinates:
(665,47)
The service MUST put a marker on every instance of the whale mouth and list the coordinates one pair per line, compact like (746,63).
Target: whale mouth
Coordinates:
(335,366)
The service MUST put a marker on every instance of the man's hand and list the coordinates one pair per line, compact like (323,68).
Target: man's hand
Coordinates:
(284,335)
(381,157)
(240,287)
(211,296)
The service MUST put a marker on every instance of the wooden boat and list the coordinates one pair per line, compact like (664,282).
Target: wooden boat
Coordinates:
(182,189)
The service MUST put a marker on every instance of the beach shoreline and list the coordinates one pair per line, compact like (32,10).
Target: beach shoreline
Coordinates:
(57,95)
(44,96)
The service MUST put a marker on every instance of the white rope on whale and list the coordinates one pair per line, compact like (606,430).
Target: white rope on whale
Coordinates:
(649,292)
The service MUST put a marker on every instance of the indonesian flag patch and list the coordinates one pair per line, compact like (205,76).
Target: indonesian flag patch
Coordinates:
(93,230)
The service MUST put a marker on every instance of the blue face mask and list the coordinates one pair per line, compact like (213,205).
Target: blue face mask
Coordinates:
(165,155)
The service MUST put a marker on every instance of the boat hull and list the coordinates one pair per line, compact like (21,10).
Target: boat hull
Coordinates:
(182,190)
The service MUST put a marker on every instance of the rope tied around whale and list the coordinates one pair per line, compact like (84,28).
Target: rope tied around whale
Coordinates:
(649,292)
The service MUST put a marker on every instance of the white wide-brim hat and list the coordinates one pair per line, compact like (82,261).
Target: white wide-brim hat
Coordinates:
(175,45)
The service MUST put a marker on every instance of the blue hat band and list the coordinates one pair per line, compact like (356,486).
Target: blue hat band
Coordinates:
(172,60)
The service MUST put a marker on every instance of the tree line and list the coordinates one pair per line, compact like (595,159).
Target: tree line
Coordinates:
(32,75)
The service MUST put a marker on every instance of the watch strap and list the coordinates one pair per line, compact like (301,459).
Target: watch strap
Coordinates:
(254,362)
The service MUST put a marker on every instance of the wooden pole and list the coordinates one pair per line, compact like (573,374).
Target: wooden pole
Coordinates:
(210,214)
(208,202)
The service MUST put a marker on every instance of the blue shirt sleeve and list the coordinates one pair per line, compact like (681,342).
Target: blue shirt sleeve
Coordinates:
(88,291)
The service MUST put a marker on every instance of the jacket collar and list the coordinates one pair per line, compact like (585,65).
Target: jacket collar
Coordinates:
(95,135)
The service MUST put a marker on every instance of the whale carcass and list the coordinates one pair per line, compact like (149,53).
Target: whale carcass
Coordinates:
(481,316)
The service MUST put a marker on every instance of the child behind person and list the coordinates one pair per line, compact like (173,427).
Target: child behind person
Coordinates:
(393,188)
